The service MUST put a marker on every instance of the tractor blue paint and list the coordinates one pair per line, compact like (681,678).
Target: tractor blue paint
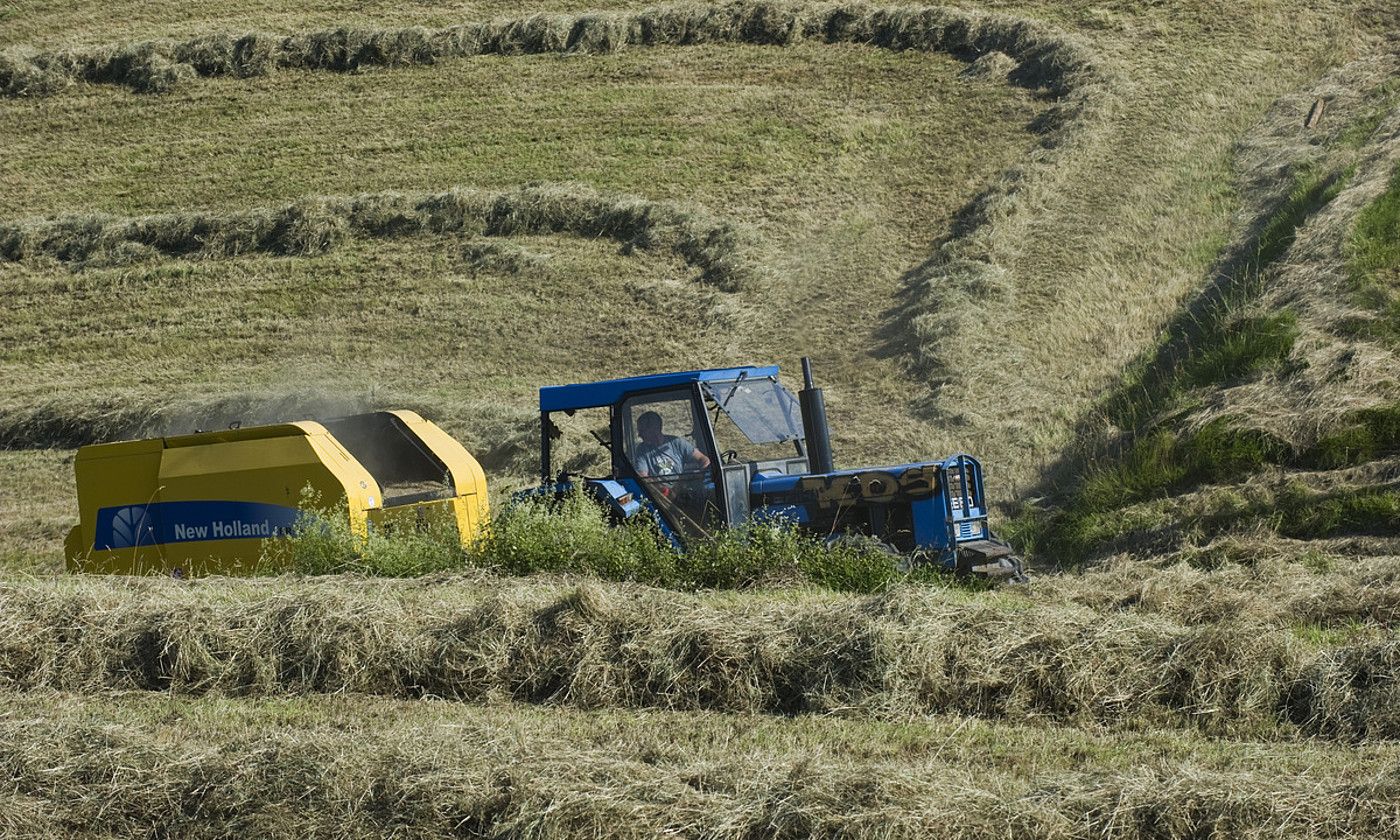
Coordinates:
(705,450)
(611,391)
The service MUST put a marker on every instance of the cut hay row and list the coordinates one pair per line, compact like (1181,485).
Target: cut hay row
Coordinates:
(1046,58)
(909,652)
(965,271)
(316,225)
(1294,585)
(272,775)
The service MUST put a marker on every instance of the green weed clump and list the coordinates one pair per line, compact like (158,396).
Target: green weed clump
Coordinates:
(1362,436)
(324,543)
(1375,238)
(1241,349)
(1305,513)
(573,535)
(1166,462)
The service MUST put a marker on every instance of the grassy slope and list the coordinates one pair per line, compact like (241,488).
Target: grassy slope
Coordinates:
(1273,406)
(851,191)
(1137,218)
(838,185)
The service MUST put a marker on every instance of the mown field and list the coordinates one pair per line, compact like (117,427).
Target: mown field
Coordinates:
(1100,245)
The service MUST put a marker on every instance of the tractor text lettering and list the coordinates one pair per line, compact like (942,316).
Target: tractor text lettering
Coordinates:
(868,486)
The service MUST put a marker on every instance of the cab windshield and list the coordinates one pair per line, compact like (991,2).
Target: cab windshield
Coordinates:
(765,416)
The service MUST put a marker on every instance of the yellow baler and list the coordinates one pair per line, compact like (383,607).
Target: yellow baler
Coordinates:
(206,503)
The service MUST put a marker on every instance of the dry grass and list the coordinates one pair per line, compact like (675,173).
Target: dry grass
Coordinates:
(912,652)
(352,767)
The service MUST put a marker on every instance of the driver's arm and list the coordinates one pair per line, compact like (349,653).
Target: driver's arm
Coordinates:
(701,459)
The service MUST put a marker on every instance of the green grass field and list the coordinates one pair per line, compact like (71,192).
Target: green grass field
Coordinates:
(1129,276)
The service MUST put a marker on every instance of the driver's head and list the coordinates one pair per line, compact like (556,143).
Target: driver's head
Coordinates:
(649,427)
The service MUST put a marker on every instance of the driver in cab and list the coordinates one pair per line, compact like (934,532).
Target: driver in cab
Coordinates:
(661,454)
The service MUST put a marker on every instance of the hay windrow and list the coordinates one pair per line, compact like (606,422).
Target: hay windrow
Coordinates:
(719,251)
(1046,59)
(606,646)
(75,771)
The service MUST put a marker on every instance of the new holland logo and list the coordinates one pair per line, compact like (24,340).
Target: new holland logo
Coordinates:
(128,526)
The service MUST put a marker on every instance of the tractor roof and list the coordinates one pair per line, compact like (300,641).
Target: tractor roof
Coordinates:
(611,391)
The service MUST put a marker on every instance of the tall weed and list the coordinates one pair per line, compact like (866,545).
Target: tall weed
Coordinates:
(573,535)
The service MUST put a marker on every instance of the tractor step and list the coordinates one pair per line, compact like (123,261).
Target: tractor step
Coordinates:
(993,559)
(986,549)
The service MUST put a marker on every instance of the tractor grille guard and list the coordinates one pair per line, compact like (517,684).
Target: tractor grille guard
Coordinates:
(967,516)
(977,550)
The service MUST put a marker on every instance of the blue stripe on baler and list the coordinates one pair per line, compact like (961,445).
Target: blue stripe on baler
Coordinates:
(156,523)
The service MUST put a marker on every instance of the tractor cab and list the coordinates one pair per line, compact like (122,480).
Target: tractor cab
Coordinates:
(677,442)
(705,450)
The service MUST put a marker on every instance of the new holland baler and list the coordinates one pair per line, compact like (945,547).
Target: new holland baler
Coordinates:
(211,502)
(704,450)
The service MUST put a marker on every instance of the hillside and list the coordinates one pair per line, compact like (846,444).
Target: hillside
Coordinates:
(1267,422)
(1142,259)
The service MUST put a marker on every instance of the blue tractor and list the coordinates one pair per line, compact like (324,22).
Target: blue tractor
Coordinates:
(704,450)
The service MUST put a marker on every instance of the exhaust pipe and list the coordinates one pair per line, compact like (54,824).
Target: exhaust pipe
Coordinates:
(814,424)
